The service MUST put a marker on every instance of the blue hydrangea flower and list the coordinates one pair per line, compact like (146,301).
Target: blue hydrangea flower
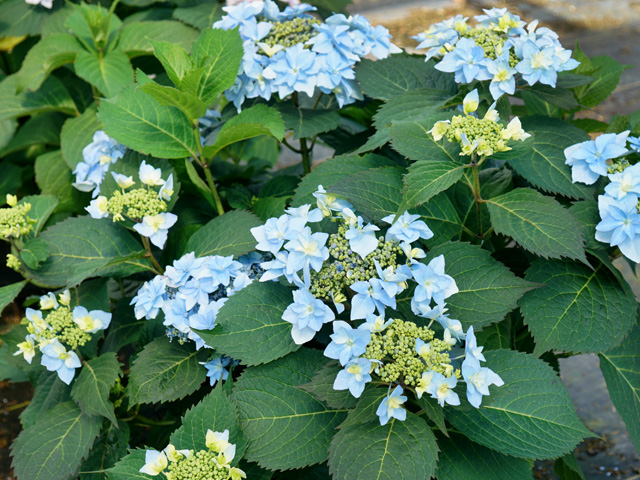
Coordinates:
(503,76)
(588,160)
(433,283)
(440,36)
(471,348)
(370,296)
(217,369)
(91,321)
(538,64)
(218,270)
(195,292)
(354,376)
(305,213)
(362,238)
(391,407)
(271,236)
(57,359)
(467,61)
(441,388)
(97,158)
(478,380)
(347,342)
(634,143)
(376,323)
(182,269)
(624,183)
(98,208)
(205,319)
(407,228)
(296,70)
(328,203)
(620,225)
(156,227)
(307,314)
(150,298)
(393,281)
(306,250)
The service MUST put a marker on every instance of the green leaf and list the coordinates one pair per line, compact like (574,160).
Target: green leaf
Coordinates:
(434,412)
(201,16)
(540,159)
(54,447)
(621,369)
(411,139)
(365,411)
(579,309)
(251,122)
(559,97)
(487,289)
(9,292)
(333,170)
(18,18)
(54,177)
(461,459)
(190,105)
(143,124)
(531,416)
(249,326)
(124,328)
(267,207)
(285,426)
(226,235)
(165,371)
(587,214)
(91,389)
(48,392)
(306,122)
(568,468)
(42,206)
(129,467)
(218,54)
(370,451)
(174,58)
(321,386)
(44,57)
(109,72)
(606,72)
(197,181)
(396,75)
(77,133)
(496,336)
(82,242)
(34,253)
(52,96)
(537,223)
(425,179)
(214,412)
(93,25)
(135,39)
(110,447)
(41,129)
(7,130)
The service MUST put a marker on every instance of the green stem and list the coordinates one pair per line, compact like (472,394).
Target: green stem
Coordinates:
(306,155)
(476,195)
(147,246)
(214,190)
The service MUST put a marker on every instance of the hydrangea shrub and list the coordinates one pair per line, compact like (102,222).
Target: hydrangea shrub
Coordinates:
(193,312)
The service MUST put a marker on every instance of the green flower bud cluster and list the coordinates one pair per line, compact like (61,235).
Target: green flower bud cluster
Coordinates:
(491,42)
(618,165)
(395,347)
(13,262)
(485,131)
(14,221)
(345,267)
(198,466)
(135,204)
(292,32)
(64,328)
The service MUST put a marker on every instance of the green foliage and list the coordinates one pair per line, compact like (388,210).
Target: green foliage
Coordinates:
(9,292)
(425,179)
(229,234)
(109,73)
(321,386)
(54,177)
(91,389)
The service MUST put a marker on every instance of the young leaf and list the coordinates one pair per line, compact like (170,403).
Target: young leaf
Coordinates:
(42,206)
(537,223)
(425,179)
(621,369)
(249,326)
(165,371)
(397,450)
(174,58)
(579,309)
(190,105)
(55,446)
(531,416)
(461,459)
(227,235)
(605,70)
(285,426)
(91,389)
(34,252)
(109,72)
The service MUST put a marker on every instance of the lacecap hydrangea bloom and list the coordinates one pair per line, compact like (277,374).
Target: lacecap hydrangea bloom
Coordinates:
(14,219)
(499,48)
(479,136)
(292,51)
(97,157)
(145,204)
(57,330)
(605,156)
(365,267)
(190,294)
(212,463)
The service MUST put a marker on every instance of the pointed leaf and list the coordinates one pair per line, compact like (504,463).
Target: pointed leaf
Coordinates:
(109,72)
(135,38)
(9,292)
(425,179)
(229,234)
(91,389)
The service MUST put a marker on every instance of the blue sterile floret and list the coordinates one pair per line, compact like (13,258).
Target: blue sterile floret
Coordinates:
(292,51)
(97,157)
(499,47)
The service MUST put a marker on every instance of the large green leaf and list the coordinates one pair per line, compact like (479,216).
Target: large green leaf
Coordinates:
(129,467)
(461,459)
(91,389)
(165,371)
(214,412)
(579,309)
(108,448)
(621,370)
(251,122)
(42,206)
(605,70)
(54,447)
(41,129)
(54,177)
(306,122)
(9,292)
(249,326)
(192,107)
(531,416)
(174,58)
(48,392)
(412,139)
(52,96)
(77,244)
(48,54)
(398,450)
(77,133)
(226,235)
(201,16)
(396,75)
(135,38)
(285,426)
(137,120)
(540,159)
(487,289)
(587,214)
(18,18)
(425,179)
(109,72)
(537,223)
(321,386)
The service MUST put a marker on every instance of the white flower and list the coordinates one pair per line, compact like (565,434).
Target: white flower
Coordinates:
(219,443)
(123,181)
(149,175)
(156,227)
(98,207)
(48,301)
(514,131)
(156,462)
(166,190)
(470,102)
